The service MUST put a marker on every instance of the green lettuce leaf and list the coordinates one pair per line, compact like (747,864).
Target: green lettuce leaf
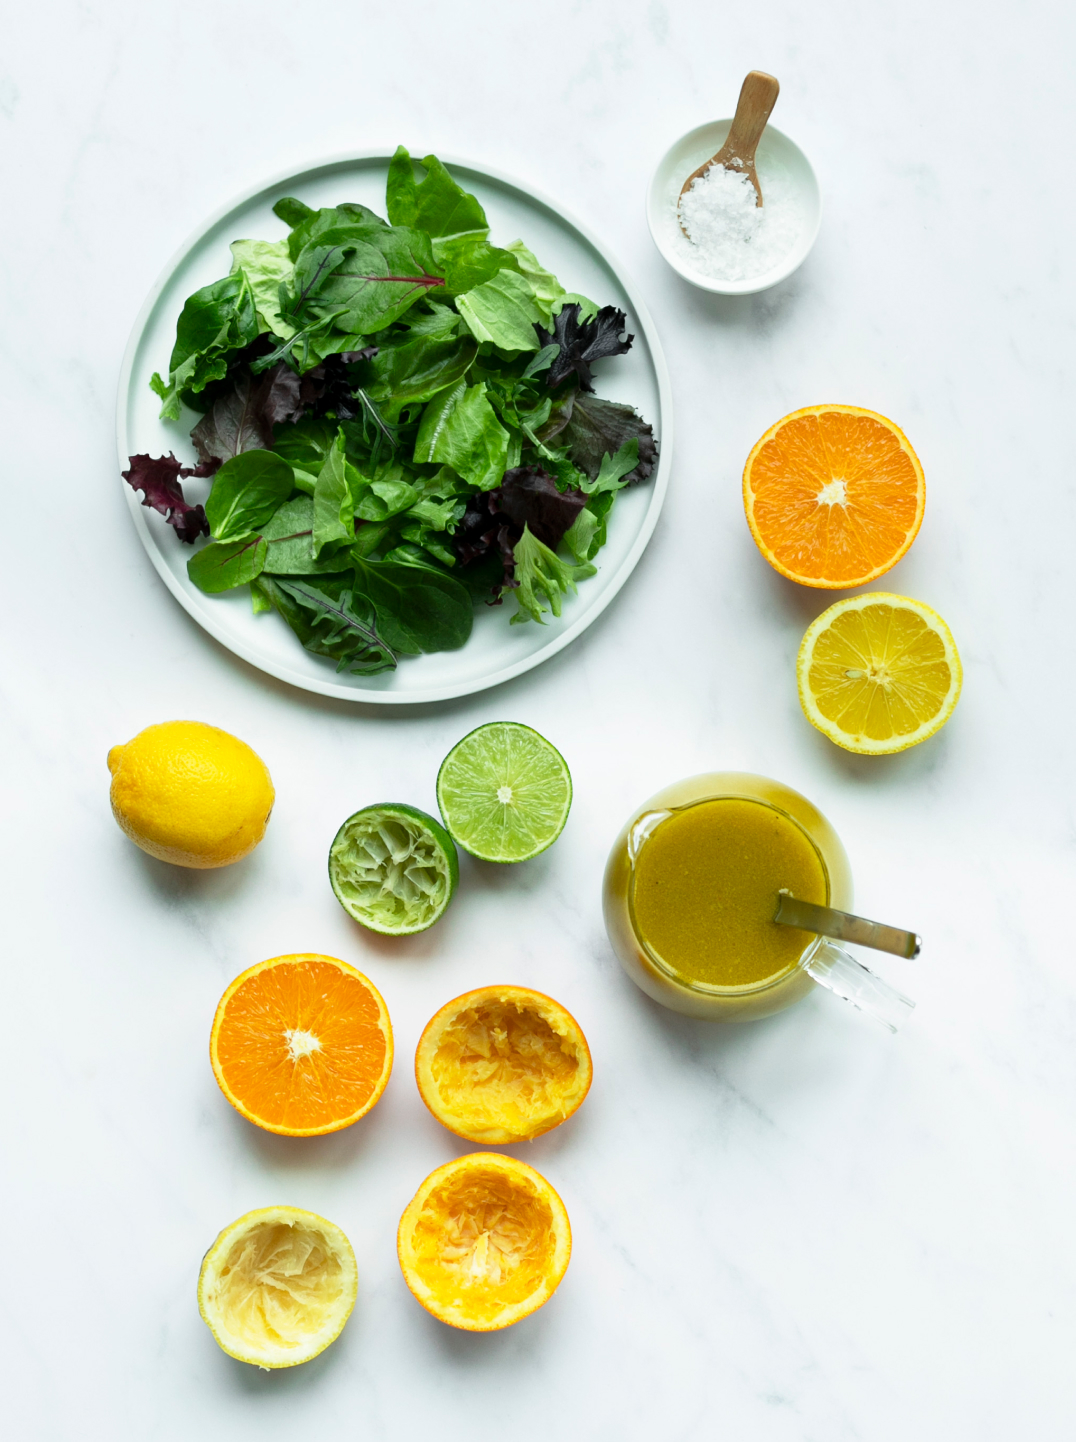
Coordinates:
(246,491)
(216,320)
(459,428)
(361,279)
(334,502)
(503,312)
(436,204)
(416,369)
(418,609)
(312,223)
(223,565)
(541,576)
(290,539)
(546,289)
(267,266)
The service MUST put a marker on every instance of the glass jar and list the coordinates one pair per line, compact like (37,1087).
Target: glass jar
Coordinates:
(757,999)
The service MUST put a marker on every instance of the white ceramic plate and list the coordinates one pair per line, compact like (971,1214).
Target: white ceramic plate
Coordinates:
(496,651)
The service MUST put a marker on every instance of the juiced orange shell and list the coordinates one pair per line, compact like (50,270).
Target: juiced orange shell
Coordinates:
(502,1064)
(484,1242)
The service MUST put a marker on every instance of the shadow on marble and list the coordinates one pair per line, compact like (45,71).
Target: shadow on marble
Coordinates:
(336,1151)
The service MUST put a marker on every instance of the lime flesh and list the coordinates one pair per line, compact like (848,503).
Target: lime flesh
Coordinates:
(504,792)
(393,868)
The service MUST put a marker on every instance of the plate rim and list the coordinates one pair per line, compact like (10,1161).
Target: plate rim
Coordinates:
(451,690)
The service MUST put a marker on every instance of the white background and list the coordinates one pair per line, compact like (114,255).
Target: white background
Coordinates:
(798,1229)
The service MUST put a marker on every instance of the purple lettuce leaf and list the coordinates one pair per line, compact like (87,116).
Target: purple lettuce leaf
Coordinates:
(243,417)
(158,477)
(494,520)
(582,344)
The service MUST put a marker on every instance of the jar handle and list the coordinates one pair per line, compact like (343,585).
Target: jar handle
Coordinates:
(837,970)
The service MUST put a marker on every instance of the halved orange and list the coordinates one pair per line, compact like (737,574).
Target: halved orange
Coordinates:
(484,1242)
(502,1064)
(302,1045)
(834,496)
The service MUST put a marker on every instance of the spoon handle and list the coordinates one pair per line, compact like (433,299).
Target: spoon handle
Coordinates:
(844,927)
(758,96)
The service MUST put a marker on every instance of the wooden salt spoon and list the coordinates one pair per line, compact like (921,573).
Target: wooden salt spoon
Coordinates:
(758,96)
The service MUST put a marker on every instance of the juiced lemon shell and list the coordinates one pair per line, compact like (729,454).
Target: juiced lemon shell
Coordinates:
(484,1242)
(502,1064)
(190,794)
(277,1286)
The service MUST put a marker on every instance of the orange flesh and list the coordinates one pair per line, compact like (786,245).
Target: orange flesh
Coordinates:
(485,1240)
(301,1046)
(834,497)
(704,891)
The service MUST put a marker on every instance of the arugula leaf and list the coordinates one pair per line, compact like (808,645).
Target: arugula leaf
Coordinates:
(242,418)
(541,576)
(246,491)
(503,312)
(223,565)
(417,368)
(267,266)
(544,285)
(157,477)
(334,503)
(595,428)
(436,205)
(362,285)
(459,428)
(614,469)
(331,620)
(583,342)
(215,320)
(418,609)
(290,537)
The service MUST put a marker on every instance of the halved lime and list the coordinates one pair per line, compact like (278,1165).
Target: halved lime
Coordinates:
(504,792)
(393,868)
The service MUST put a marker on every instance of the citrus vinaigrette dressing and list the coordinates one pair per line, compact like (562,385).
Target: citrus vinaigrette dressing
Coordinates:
(704,891)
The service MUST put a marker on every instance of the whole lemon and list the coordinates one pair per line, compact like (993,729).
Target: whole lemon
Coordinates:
(190,793)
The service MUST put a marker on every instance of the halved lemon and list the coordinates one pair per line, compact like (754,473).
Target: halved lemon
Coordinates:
(277,1286)
(502,1064)
(878,673)
(484,1242)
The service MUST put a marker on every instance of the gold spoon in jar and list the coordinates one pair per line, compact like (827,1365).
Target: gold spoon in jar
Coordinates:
(758,96)
(843,926)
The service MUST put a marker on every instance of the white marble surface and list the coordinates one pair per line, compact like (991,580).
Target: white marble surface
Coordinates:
(800,1229)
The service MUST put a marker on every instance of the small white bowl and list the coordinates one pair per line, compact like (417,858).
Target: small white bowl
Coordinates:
(690,151)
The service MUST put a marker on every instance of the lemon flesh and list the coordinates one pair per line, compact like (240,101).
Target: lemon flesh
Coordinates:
(190,794)
(878,673)
(277,1286)
(504,792)
(393,868)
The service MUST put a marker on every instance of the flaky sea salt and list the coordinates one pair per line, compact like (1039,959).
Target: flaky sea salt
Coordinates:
(729,236)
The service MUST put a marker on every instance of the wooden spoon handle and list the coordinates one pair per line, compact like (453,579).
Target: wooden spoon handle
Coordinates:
(758,96)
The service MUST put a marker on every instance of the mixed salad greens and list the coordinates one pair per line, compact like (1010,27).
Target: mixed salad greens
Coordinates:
(399,419)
